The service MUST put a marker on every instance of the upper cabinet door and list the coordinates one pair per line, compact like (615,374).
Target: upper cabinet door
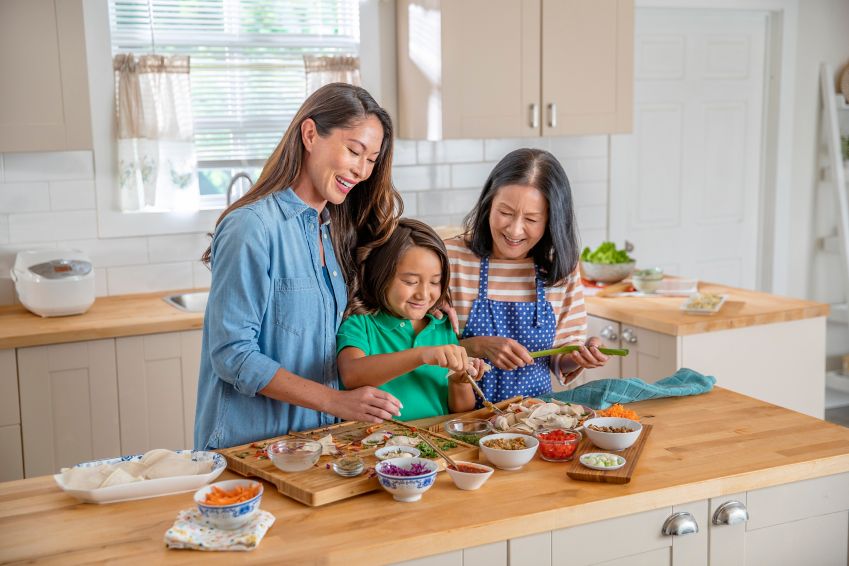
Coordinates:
(587,66)
(491,75)
(44,87)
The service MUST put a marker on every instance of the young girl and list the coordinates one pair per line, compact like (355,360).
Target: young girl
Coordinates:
(391,341)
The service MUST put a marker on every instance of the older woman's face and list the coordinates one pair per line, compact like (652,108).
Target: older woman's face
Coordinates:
(336,163)
(517,220)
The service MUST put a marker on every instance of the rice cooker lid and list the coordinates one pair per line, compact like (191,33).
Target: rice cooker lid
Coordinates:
(61,268)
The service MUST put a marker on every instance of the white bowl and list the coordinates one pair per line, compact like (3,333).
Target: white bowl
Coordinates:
(294,454)
(607,272)
(585,460)
(228,517)
(509,459)
(613,440)
(470,481)
(406,488)
(385,452)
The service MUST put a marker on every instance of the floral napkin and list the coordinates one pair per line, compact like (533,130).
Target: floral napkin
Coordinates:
(191,530)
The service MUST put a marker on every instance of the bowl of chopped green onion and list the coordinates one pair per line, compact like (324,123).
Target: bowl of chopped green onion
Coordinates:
(469,431)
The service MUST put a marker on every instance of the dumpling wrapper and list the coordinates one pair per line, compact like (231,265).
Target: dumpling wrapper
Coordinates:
(152,456)
(176,465)
(401,440)
(543,410)
(86,478)
(119,477)
(328,447)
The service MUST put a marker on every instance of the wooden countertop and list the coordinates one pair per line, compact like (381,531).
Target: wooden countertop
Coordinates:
(742,308)
(701,447)
(109,317)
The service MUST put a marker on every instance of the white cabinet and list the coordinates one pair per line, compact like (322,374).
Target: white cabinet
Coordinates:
(514,68)
(44,102)
(157,382)
(69,404)
(12,462)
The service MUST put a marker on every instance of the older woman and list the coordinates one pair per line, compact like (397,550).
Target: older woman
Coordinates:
(281,257)
(514,278)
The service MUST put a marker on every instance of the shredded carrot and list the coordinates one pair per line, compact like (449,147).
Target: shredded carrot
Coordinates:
(617,410)
(238,494)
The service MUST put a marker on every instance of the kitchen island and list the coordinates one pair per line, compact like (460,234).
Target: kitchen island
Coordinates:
(789,469)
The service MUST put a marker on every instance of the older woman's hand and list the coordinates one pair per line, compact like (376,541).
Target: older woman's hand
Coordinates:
(569,366)
(504,353)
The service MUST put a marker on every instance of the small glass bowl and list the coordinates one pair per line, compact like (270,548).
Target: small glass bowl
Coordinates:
(555,450)
(349,466)
(469,431)
(294,455)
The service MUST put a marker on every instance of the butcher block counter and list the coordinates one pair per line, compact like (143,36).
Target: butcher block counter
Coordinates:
(703,451)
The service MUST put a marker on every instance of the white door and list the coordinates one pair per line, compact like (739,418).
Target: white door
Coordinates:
(686,185)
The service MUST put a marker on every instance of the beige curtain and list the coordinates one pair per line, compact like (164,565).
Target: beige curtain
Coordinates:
(325,69)
(156,154)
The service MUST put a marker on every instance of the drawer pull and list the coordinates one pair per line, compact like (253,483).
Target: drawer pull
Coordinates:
(609,333)
(680,524)
(731,513)
(629,336)
(534,115)
(552,115)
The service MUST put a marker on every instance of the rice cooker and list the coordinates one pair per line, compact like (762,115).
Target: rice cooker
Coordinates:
(54,282)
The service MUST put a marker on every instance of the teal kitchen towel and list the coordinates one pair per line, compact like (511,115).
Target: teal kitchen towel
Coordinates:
(603,393)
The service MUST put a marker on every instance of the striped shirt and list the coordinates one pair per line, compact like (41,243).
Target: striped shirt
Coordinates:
(513,280)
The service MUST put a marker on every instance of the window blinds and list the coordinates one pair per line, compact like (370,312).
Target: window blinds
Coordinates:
(247,71)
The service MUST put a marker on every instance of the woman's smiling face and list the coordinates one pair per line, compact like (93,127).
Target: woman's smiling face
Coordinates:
(336,163)
(517,220)
(417,284)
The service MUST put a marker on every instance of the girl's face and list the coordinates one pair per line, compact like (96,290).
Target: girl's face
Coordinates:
(333,165)
(518,219)
(416,285)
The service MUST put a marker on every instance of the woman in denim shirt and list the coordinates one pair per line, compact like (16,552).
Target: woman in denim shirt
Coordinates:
(280,258)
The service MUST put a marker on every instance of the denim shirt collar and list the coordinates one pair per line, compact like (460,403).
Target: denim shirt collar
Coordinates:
(291,205)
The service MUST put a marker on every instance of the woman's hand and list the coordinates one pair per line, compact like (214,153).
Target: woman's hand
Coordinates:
(451,357)
(367,404)
(569,366)
(438,311)
(504,353)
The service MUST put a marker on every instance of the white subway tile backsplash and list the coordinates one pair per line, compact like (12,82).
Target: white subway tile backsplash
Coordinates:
(590,169)
(579,146)
(8,295)
(470,175)
(591,217)
(113,252)
(24,197)
(494,150)
(4,229)
(9,251)
(588,194)
(404,152)
(48,166)
(72,195)
(410,203)
(52,226)
(450,151)
(201,275)
(592,238)
(101,288)
(149,278)
(443,220)
(2,169)
(454,201)
(177,247)
(421,177)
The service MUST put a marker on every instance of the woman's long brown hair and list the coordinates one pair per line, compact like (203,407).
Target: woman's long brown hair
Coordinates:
(369,213)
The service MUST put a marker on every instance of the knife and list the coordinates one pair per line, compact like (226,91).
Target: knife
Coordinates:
(572,348)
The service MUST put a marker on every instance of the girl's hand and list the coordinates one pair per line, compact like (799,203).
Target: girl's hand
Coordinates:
(451,357)
(475,369)
(504,353)
(368,404)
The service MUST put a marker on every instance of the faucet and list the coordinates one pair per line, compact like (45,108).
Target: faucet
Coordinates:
(236,177)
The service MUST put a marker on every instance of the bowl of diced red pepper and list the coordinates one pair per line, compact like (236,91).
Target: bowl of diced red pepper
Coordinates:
(557,444)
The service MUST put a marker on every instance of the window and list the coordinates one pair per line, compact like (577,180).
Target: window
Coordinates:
(247,71)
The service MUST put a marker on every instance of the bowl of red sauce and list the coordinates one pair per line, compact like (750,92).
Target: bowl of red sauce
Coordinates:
(469,475)
(557,444)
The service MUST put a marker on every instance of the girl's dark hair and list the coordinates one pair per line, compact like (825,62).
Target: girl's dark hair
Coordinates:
(557,251)
(378,269)
(370,212)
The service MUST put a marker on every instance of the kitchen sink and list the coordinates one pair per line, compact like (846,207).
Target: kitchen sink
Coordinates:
(189,302)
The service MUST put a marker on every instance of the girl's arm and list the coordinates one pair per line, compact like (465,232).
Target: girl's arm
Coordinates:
(461,396)
(356,369)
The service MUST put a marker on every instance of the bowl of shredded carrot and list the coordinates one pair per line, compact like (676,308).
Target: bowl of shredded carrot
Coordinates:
(229,504)
(617,410)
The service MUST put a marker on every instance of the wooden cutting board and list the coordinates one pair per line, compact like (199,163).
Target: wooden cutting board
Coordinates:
(578,471)
(320,485)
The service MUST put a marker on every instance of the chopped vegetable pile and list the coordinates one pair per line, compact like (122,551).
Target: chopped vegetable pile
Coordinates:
(557,444)
(603,460)
(606,253)
(415,469)
(238,494)
(617,410)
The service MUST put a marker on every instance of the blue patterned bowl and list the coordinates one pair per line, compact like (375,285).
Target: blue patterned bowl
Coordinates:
(406,488)
(228,517)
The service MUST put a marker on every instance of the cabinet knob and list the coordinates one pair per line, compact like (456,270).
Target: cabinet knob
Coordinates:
(679,524)
(552,115)
(629,336)
(730,513)
(535,115)
(609,333)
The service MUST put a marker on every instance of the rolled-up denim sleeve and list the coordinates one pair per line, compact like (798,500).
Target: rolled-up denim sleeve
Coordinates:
(238,299)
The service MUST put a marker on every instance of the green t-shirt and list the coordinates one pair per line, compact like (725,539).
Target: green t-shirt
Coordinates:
(423,391)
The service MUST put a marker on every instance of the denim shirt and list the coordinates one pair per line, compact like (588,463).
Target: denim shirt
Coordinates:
(269,307)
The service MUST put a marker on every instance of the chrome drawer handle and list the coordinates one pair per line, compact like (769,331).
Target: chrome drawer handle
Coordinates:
(680,524)
(609,333)
(730,513)
(552,115)
(535,115)
(629,336)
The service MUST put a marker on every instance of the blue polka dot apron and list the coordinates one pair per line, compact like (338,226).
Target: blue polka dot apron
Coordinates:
(532,324)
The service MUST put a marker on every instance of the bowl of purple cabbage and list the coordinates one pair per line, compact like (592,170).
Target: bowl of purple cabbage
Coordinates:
(406,478)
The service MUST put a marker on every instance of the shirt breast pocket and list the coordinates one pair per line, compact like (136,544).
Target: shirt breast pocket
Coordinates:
(297,300)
